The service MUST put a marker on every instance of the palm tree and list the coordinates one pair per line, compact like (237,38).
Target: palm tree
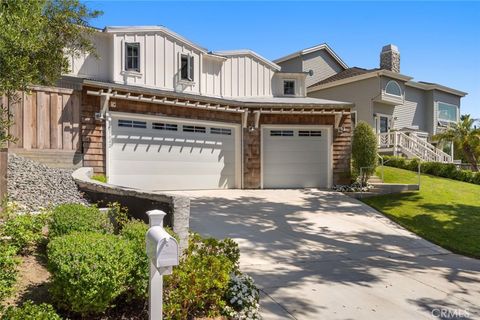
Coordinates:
(466,135)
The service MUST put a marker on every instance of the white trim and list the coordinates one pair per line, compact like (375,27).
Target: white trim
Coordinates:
(391,94)
(356,118)
(138,29)
(425,86)
(377,121)
(368,75)
(322,46)
(241,52)
(449,104)
(236,127)
(287,126)
(294,88)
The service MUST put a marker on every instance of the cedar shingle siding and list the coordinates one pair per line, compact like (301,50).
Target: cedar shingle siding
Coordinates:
(93,134)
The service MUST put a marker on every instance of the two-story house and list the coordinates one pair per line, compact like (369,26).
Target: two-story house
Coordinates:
(160,112)
(405,113)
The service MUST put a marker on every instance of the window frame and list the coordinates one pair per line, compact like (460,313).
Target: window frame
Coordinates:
(126,57)
(397,85)
(354,115)
(294,87)
(457,109)
(190,77)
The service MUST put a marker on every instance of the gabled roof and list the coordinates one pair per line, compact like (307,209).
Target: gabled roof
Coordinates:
(247,52)
(126,29)
(345,74)
(356,74)
(322,46)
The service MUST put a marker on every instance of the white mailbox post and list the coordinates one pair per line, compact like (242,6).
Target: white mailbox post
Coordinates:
(162,249)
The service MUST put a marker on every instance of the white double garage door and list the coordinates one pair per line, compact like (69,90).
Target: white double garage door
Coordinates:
(166,153)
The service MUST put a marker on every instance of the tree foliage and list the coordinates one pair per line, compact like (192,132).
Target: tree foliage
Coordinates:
(465,136)
(364,151)
(36,38)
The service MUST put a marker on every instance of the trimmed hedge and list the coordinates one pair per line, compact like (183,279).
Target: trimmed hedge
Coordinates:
(30,311)
(89,270)
(444,170)
(68,218)
(134,232)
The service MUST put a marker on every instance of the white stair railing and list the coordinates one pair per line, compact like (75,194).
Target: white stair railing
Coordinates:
(411,146)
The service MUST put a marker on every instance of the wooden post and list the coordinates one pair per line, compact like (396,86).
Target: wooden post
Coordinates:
(3,174)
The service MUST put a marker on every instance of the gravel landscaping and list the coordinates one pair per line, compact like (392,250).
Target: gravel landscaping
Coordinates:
(35,185)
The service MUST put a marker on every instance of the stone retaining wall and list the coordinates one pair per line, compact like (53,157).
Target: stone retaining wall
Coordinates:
(139,201)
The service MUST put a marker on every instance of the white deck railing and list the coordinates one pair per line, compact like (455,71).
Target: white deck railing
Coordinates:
(411,146)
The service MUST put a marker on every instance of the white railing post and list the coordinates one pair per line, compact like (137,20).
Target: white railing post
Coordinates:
(394,143)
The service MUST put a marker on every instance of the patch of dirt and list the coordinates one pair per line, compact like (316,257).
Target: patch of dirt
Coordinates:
(33,279)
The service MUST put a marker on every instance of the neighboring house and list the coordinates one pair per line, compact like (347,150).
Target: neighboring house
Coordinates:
(161,112)
(384,98)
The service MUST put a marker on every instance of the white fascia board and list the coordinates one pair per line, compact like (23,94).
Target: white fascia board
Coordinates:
(241,52)
(176,36)
(424,86)
(373,74)
(322,46)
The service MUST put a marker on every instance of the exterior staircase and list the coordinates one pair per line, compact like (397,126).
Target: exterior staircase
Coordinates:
(399,143)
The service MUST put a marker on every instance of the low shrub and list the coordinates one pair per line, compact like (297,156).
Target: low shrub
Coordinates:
(8,269)
(68,218)
(445,170)
(134,232)
(243,298)
(89,270)
(24,230)
(198,285)
(394,161)
(30,311)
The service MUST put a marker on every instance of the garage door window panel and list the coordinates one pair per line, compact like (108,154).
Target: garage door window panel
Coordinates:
(164,126)
(281,133)
(132,124)
(194,129)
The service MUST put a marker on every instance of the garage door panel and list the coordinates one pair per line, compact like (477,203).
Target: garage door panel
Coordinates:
(296,181)
(155,159)
(167,168)
(167,153)
(174,182)
(294,160)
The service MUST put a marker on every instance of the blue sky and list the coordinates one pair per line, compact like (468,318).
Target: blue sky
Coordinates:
(438,41)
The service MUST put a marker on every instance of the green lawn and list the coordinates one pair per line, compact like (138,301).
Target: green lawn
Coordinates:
(444,211)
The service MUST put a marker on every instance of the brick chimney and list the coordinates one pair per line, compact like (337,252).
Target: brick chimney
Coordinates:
(390,58)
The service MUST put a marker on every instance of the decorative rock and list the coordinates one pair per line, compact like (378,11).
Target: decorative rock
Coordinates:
(35,185)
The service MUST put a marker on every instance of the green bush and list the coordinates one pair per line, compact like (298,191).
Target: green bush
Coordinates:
(445,170)
(198,285)
(24,230)
(134,232)
(364,151)
(89,270)
(30,311)
(68,218)
(8,269)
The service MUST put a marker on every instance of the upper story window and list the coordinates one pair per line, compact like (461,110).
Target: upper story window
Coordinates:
(132,56)
(288,87)
(447,112)
(186,67)
(393,88)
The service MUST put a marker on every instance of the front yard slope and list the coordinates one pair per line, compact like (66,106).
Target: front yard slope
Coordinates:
(444,211)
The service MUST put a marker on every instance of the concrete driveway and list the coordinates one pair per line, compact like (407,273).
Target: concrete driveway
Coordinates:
(322,255)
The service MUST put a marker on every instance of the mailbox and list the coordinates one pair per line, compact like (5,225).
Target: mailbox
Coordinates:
(162,248)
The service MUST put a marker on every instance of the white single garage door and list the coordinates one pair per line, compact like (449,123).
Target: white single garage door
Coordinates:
(163,153)
(296,157)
